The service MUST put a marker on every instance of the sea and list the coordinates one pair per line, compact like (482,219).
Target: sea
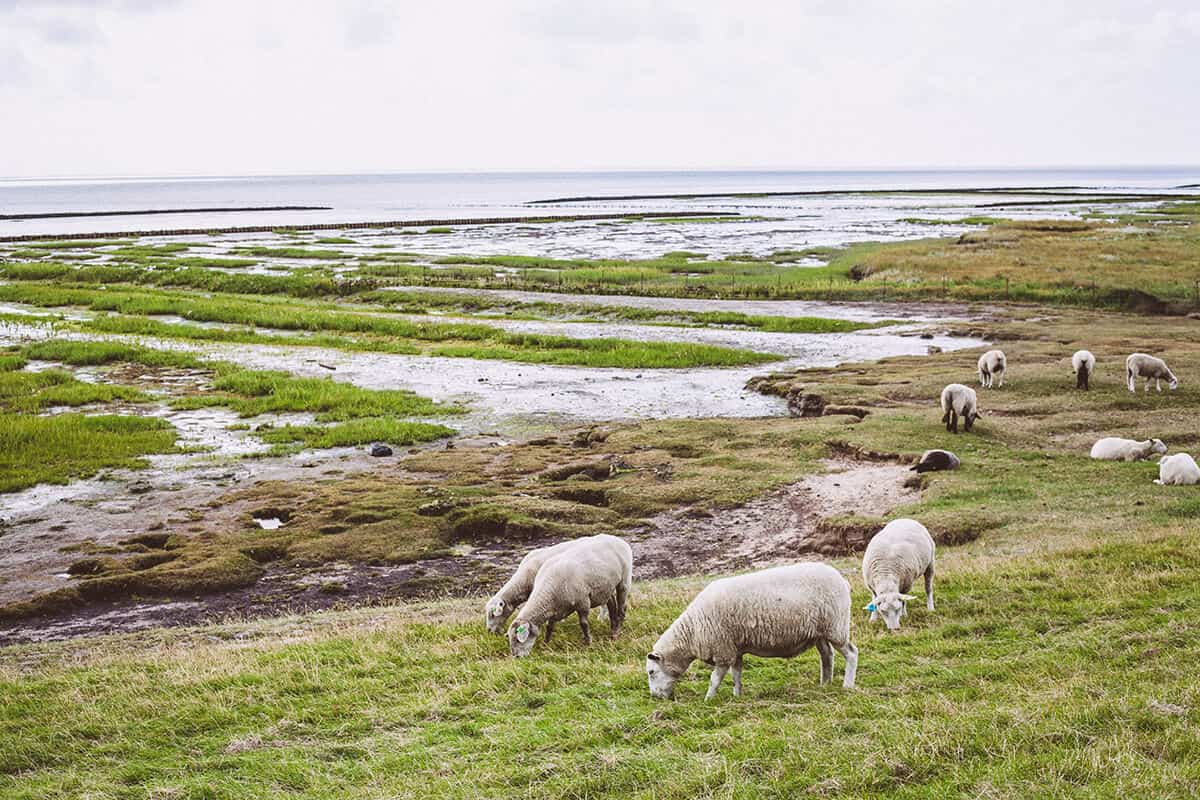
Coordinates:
(450,195)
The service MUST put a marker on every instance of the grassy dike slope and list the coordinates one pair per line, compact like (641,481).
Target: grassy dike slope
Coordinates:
(1057,664)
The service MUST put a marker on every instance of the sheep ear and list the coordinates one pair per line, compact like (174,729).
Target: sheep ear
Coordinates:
(907,597)
(653,657)
(522,633)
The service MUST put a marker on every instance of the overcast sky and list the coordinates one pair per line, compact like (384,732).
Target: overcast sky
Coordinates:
(174,87)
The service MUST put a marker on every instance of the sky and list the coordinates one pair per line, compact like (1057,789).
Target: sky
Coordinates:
(209,87)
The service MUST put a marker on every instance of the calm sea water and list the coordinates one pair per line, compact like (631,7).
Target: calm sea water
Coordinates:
(354,198)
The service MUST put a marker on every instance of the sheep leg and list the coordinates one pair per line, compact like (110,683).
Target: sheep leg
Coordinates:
(952,425)
(1000,380)
(583,625)
(550,630)
(622,604)
(929,588)
(1157,385)
(718,675)
(1129,380)
(850,653)
(826,651)
(946,420)
(736,669)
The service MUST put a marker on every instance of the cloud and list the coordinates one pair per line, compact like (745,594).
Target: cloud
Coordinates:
(226,86)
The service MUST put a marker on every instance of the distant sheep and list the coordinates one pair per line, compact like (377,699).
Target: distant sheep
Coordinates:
(593,572)
(1140,365)
(894,558)
(1083,364)
(1178,470)
(516,591)
(1112,448)
(959,401)
(934,460)
(992,365)
(773,613)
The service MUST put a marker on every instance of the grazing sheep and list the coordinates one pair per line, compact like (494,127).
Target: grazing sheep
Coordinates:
(1140,365)
(934,460)
(1112,448)
(894,558)
(773,613)
(991,368)
(1178,470)
(516,591)
(959,401)
(594,572)
(1083,364)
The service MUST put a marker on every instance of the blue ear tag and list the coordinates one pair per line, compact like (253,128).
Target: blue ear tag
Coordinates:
(871,606)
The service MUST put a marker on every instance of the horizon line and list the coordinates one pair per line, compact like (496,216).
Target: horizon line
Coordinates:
(594,171)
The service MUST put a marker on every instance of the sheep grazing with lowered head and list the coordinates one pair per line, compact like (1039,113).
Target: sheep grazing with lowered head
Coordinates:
(1113,448)
(773,613)
(516,591)
(1178,470)
(894,558)
(934,460)
(1140,365)
(959,401)
(593,572)
(992,365)
(1083,364)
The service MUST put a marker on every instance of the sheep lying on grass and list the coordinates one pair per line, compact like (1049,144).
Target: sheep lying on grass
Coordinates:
(1178,470)
(1112,448)
(516,591)
(773,613)
(1083,364)
(593,572)
(894,558)
(1140,365)
(992,365)
(959,401)
(934,460)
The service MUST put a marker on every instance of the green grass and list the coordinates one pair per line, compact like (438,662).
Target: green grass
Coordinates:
(65,447)
(1050,669)
(353,433)
(1036,678)
(254,392)
(32,392)
(291,252)
(377,332)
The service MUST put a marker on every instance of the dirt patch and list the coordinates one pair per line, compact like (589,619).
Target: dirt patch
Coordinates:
(785,524)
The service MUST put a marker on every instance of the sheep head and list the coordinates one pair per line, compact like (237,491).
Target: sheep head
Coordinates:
(522,635)
(662,682)
(891,607)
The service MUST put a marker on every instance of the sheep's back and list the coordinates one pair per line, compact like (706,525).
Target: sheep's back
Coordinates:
(775,611)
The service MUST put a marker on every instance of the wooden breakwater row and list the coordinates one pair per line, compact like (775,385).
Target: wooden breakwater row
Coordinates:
(347,226)
(145,212)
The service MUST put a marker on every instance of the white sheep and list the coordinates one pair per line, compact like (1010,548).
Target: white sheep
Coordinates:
(594,572)
(516,591)
(1140,365)
(773,613)
(895,557)
(959,401)
(934,460)
(1113,448)
(1178,470)
(991,368)
(1083,364)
